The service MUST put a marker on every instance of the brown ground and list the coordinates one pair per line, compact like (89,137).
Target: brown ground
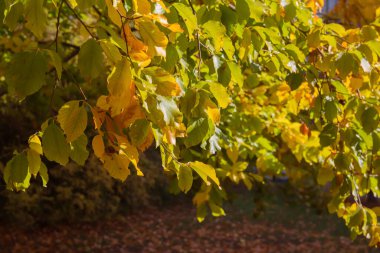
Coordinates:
(174,229)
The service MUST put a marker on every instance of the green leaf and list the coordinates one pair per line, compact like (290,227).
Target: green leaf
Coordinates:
(34,162)
(331,110)
(90,59)
(78,150)
(188,17)
(169,109)
(54,145)
(44,175)
(342,162)
(196,132)
(220,94)
(36,18)
(16,174)
(236,75)
(328,135)
(345,64)
(205,171)
(26,73)
(185,178)
(370,119)
(13,15)
(56,61)
(138,131)
(73,120)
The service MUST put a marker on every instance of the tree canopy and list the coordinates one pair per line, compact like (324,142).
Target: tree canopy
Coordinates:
(227,90)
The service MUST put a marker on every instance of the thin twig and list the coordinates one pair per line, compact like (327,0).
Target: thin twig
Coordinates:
(125,35)
(198,41)
(57,26)
(80,20)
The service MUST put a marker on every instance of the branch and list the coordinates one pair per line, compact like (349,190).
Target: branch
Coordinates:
(125,35)
(198,41)
(57,26)
(80,20)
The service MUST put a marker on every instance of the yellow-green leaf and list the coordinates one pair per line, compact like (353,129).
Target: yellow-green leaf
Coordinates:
(55,145)
(205,171)
(73,120)
(36,18)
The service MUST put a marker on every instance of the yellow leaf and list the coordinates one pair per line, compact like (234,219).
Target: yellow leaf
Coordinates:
(130,151)
(98,146)
(205,171)
(117,166)
(142,6)
(113,11)
(152,36)
(73,120)
(102,103)
(34,162)
(120,80)
(356,83)
(212,111)
(35,144)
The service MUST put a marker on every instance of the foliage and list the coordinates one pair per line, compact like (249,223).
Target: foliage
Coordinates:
(218,85)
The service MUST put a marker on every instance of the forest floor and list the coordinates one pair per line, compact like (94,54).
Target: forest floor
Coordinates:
(173,228)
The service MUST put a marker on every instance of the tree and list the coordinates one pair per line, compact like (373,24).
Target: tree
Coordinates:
(219,86)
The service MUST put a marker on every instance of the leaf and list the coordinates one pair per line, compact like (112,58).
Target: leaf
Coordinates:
(188,17)
(113,7)
(120,80)
(36,18)
(185,178)
(220,93)
(79,152)
(331,110)
(34,162)
(205,171)
(169,109)
(44,175)
(90,59)
(236,75)
(26,73)
(73,120)
(54,145)
(165,82)
(345,64)
(98,146)
(56,61)
(370,119)
(35,144)
(342,162)
(139,131)
(117,166)
(216,31)
(325,175)
(328,135)
(153,37)
(16,174)
(13,16)
(196,132)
